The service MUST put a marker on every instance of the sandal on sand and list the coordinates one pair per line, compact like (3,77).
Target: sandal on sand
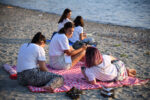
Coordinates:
(74,93)
(107,89)
(107,92)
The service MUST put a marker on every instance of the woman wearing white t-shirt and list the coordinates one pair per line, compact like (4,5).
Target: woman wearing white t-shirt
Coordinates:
(104,67)
(30,56)
(78,34)
(61,55)
(64,18)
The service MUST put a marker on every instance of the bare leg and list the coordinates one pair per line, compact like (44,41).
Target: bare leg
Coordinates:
(131,72)
(49,89)
(77,57)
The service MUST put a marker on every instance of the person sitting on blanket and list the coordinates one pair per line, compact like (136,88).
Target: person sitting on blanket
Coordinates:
(63,20)
(78,34)
(30,56)
(104,67)
(61,55)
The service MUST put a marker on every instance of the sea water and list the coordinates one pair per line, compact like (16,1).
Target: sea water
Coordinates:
(133,13)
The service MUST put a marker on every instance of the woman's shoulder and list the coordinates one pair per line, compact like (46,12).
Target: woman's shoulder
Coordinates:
(68,20)
(65,21)
(37,47)
(105,56)
(29,46)
(61,36)
(79,28)
(33,45)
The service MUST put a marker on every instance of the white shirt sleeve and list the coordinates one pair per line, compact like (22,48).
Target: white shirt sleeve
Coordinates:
(80,30)
(106,60)
(64,43)
(89,75)
(41,54)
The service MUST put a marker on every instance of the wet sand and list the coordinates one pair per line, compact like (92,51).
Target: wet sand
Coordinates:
(18,25)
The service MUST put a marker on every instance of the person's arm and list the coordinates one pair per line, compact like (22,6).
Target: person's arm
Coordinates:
(64,44)
(91,82)
(83,36)
(42,66)
(74,52)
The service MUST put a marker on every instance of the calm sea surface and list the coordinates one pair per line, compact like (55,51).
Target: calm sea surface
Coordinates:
(133,13)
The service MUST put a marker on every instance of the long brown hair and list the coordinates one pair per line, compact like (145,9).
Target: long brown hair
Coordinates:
(64,15)
(66,26)
(92,57)
(79,21)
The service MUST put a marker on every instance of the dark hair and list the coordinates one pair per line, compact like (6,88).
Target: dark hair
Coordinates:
(79,21)
(66,26)
(92,57)
(38,37)
(64,15)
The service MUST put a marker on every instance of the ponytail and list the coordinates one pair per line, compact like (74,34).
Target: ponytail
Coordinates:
(38,37)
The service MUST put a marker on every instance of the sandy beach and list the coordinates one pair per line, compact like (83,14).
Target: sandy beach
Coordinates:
(18,26)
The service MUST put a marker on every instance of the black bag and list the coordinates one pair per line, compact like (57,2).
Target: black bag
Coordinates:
(78,44)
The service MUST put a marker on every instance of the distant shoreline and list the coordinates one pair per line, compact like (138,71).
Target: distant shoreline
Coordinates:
(98,22)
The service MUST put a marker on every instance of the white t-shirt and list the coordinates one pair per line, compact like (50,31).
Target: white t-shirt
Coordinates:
(104,71)
(58,44)
(28,56)
(76,34)
(61,25)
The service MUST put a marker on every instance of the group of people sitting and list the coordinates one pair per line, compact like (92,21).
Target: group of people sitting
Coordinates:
(31,63)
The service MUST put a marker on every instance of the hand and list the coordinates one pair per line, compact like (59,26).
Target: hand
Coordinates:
(88,45)
(84,47)
(84,34)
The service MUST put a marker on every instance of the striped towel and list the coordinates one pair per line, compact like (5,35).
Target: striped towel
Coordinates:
(74,78)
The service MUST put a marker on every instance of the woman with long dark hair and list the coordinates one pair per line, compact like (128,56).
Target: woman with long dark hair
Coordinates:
(31,66)
(78,34)
(61,55)
(64,18)
(104,67)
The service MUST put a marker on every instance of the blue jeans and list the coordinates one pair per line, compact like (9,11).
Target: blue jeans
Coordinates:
(88,40)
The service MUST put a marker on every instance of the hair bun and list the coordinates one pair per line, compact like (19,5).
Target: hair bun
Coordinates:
(39,33)
(38,37)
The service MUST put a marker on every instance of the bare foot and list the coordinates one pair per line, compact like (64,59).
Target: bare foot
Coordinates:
(49,89)
(132,72)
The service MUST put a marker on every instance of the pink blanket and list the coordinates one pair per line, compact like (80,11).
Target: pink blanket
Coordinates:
(74,78)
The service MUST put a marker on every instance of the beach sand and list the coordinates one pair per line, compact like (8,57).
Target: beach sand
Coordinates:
(18,25)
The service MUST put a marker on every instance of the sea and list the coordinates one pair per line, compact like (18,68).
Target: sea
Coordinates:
(132,13)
